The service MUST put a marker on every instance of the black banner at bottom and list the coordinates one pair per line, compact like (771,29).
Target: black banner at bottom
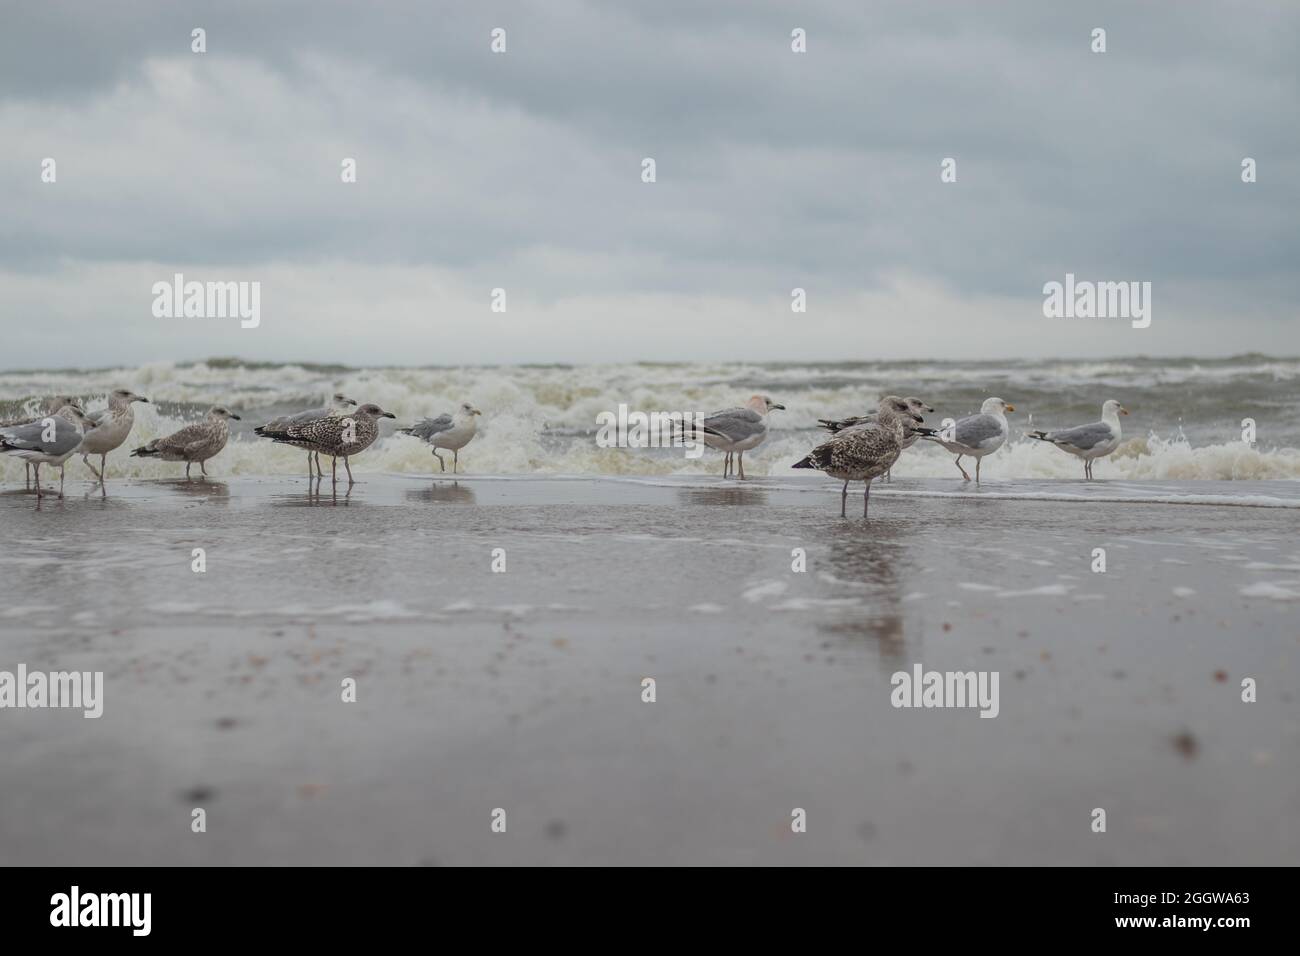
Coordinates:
(330,906)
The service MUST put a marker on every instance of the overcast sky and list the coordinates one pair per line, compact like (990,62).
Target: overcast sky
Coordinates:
(522,170)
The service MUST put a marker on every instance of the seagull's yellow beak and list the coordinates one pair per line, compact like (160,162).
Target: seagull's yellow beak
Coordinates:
(1123,410)
(1011,408)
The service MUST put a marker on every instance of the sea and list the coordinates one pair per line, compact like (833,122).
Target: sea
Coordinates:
(1228,419)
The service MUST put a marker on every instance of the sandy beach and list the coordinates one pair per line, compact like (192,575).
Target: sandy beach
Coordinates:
(522,690)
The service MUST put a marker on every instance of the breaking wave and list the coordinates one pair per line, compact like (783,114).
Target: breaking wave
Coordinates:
(1186,420)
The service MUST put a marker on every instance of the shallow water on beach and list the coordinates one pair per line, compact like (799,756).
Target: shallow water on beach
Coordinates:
(522,688)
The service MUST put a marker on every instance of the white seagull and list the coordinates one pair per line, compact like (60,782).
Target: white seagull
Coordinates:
(109,429)
(977,435)
(47,441)
(451,431)
(736,430)
(49,408)
(1091,441)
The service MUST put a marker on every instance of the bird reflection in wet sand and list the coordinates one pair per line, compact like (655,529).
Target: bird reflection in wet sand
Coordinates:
(873,570)
(722,496)
(447,493)
(201,488)
(318,493)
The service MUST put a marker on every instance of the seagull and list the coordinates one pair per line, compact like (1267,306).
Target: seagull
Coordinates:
(736,430)
(341,403)
(47,441)
(977,435)
(48,408)
(915,404)
(339,436)
(1092,441)
(866,451)
(109,429)
(197,442)
(451,430)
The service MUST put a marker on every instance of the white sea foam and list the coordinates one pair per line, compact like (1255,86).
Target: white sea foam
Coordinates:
(542,419)
(1272,591)
(764,590)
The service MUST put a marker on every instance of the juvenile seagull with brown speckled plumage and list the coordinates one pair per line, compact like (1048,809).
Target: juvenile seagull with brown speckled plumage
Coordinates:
(339,436)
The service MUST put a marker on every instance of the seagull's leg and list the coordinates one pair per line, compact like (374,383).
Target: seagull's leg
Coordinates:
(203,467)
(334,469)
(37,468)
(977,470)
(441,463)
(103,467)
(889,474)
(741,459)
(320,472)
(27,474)
(86,460)
(349,468)
(455,461)
(187,470)
(844,497)
(726,464)
(961,469)
(866,496)
(61,471)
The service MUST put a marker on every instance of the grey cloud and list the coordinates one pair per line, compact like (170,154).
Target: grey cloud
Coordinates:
(774,169)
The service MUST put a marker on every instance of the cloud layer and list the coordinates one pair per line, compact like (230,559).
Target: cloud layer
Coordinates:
(522,171)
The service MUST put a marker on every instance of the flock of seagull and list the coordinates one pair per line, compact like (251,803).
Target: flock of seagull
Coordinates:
(861,448)
(866,447)
(340,430)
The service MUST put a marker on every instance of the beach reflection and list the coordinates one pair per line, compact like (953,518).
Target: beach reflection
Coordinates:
(871,566)
(447,493)
(722,496)
(319,492)
(197,488)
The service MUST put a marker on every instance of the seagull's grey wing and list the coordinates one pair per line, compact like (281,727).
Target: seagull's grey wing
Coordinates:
(309,415)
(834,425)
(975,430)
(735,424)
(430,427)
(32,437)
(1083,437)
(22,436)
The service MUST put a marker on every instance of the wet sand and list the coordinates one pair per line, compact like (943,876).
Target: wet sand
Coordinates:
(522,690)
